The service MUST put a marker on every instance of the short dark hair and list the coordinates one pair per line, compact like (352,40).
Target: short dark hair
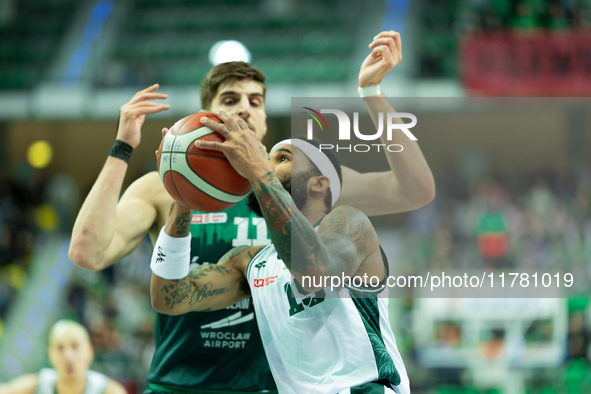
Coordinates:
(335,162)
(223,73)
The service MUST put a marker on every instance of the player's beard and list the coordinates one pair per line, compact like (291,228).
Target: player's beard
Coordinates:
(299,194)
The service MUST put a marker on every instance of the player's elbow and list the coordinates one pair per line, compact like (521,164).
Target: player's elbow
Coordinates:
(159,307)
(308,287)
(425,193)
(82,259)
(418,194)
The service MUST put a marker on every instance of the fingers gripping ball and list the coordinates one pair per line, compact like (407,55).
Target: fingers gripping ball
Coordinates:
(202,179)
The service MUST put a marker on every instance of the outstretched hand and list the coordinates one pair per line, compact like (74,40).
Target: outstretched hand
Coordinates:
(133,114)
(241,147)
(385,55)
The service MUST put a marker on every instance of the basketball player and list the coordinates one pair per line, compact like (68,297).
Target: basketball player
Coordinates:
(107,230)
(317,342)
(71,354)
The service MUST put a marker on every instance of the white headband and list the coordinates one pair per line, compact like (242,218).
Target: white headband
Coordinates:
(320,160)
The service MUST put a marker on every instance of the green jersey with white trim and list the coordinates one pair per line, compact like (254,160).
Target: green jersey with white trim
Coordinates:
(320,344)
(220,350)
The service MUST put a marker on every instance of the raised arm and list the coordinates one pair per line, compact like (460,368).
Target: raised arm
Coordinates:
(409,184)
(105,231)
(205,288)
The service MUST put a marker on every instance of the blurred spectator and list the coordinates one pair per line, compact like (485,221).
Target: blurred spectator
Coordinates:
(114,304)
(578,336)
(444,25)
(525,19)
(545,219)
(70,352)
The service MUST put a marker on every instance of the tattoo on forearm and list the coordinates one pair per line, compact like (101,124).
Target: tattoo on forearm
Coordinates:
(183,223)
(189,289)
(263,152)
(203,271)
(231,254)
(276,206)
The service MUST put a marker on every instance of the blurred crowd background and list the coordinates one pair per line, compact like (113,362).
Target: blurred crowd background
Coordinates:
(446,24)
(67,66)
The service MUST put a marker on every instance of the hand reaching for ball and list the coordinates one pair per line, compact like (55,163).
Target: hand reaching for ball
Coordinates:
(241,147)
(202,180)
(133,114)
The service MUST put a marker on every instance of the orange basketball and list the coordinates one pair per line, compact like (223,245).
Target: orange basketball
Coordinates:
(202,179)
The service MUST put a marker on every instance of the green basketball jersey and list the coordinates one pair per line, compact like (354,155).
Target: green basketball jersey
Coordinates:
(220,350)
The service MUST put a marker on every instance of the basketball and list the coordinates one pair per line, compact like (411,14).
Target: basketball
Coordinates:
(202,179)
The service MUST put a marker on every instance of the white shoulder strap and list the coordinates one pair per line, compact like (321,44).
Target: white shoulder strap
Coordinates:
(96,382)
(46,381)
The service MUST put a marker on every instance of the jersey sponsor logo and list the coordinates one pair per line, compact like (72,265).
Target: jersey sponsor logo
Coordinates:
(231,320)
(226,339)
(205,218)
(244,304)
(264,282)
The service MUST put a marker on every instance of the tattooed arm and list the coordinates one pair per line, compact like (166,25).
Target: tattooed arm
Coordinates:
(206,288)
(209,287)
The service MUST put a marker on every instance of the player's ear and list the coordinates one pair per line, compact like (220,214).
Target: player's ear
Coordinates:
(320,184)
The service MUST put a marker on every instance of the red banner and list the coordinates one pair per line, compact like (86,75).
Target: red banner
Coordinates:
(534,64)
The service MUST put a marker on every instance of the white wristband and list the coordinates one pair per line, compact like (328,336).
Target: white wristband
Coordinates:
(171,256)
(368,91)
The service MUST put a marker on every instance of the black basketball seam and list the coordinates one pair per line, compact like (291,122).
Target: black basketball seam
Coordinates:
(172,172)
(200,154)
(192,142)
(210,184)
(175,188)
(191,117)
(186,159)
